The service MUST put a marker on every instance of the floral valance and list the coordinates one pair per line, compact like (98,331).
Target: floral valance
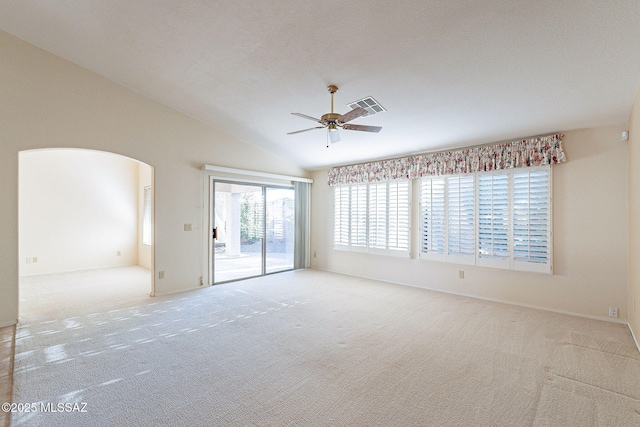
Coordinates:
(544,150)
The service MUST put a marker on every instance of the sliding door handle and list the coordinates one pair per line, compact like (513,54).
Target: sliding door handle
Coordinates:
(215,233)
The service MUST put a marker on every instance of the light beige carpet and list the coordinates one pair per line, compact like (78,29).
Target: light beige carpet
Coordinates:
(318,349)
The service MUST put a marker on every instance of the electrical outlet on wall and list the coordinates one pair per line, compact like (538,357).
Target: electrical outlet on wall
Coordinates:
(160,274)
(613,312)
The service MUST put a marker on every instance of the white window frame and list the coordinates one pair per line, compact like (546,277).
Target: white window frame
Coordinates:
(147,234)
(356,213)
(510,261)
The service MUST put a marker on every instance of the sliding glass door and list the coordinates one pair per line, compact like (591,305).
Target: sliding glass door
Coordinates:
(280,229)
(254,230)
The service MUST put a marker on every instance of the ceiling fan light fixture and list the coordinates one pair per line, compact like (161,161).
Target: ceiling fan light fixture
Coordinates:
(334,135)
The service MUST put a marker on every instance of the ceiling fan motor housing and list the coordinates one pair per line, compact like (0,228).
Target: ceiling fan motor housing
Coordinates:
(330,117)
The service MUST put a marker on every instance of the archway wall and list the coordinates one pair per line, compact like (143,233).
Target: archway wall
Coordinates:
(47,102)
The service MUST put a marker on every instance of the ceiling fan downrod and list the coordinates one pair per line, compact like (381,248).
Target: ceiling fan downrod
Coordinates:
(332,89)
(330,118)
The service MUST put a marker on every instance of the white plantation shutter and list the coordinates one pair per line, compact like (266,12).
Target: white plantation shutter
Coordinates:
(350,216)
(493,219)
(358,226)
(461,228)
(373,217)
(448,219)
(532,220)
(399,210)
(378,215)
(341,205)
(432,204)
(389,209)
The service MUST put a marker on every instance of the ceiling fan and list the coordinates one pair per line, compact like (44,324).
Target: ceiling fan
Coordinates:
(332,121)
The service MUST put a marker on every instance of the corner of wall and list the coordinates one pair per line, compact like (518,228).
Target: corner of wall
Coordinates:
(633,280)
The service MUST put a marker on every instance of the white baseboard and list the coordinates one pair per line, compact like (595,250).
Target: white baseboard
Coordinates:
(634,337)
(177,291)
(5,324)
(569,313)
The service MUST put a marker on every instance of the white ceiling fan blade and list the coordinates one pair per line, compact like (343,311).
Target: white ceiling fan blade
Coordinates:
(353,114)
(304,116)
(363,128)
(334,136)
(304,130)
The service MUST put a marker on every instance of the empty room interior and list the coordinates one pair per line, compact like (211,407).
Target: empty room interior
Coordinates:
(275,213)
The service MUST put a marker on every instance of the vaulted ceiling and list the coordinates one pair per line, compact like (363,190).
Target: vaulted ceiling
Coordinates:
(449,73)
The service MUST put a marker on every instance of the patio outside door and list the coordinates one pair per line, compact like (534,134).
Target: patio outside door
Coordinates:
(254,229)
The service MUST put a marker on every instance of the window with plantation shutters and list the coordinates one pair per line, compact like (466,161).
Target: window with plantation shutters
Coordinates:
(496,219)
(448,218)
(373,217)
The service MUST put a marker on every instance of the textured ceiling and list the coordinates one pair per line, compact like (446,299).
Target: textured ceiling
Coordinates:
(449,73)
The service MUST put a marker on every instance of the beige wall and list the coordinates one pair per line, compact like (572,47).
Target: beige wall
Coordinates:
(48,102)
(590,239)
(78,210)
(634,219)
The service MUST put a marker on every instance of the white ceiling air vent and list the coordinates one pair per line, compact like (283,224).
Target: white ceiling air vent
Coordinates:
(371,105)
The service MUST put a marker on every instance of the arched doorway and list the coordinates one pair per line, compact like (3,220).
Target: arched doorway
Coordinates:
(83,214)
